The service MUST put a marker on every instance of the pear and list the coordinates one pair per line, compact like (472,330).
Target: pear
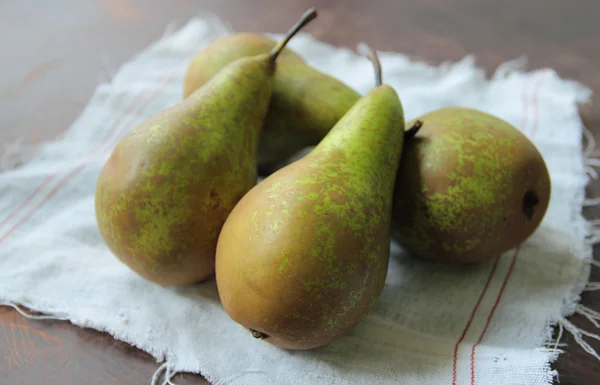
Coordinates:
(167,188)
(305,105)
(470,187)
(304,255)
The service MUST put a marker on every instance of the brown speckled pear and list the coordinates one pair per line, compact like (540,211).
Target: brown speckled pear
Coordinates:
(169,185)
(470,187)
(304,255)
(305,105)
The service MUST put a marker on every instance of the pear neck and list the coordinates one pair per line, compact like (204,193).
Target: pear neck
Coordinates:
(371,135)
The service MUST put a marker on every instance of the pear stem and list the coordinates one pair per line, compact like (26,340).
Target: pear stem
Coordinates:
(305,19)
(372,55)
(412,131)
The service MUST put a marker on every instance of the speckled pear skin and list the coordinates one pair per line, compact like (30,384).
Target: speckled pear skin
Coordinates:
(462,185)
(304,255)
(305,105)
(169,185)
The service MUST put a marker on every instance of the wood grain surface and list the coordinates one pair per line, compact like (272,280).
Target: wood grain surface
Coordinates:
(54,53)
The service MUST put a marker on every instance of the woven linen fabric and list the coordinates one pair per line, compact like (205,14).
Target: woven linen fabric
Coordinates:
(435,324)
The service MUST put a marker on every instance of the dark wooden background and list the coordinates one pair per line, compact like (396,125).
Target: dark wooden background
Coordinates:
(52,55)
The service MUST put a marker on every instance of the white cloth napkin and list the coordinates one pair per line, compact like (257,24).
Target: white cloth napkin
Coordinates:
(491,323)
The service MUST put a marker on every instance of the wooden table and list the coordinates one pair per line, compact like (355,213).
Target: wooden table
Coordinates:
(54,53)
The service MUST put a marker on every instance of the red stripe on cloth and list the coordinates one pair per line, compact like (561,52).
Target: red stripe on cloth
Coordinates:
(524,119)
(51,177)
(77,170)
(27,200)
(464,333)
(534,130)
(46,199)
(491,315)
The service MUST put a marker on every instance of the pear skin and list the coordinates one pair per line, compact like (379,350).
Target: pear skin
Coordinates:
(214,57)
(305,105)
(470,187)
(304,255)
(167,188)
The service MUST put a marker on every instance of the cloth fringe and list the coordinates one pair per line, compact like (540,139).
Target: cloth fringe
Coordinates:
(592,238)
(590,162)
(592,286)
(164,372)
(553,344)
(578,334)
(590,314)
(26,314)
(163,375)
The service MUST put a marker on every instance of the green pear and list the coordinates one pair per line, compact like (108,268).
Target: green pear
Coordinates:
(304,255)
(470,187)
(169,185)
(305,105)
